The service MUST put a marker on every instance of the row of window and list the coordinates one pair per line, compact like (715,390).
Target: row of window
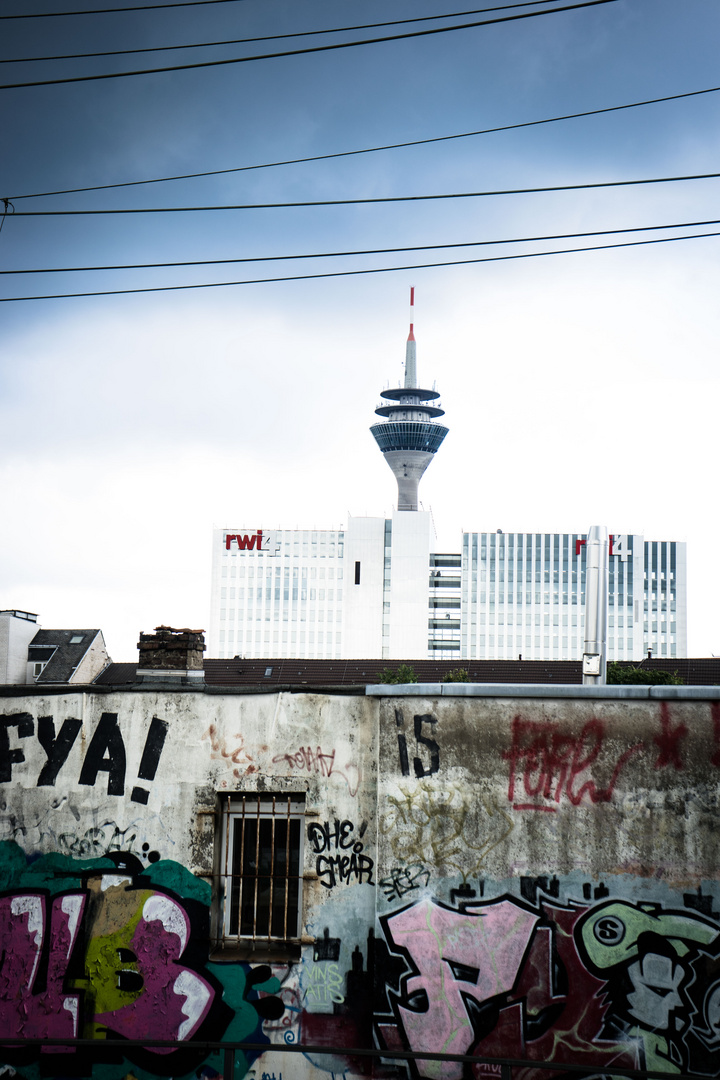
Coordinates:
(230,615)
(538,641)
(297,551)
(297,637)
(302,594)
(313,572)
(545,598)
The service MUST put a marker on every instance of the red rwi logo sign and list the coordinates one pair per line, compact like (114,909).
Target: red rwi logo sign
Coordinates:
(244,541)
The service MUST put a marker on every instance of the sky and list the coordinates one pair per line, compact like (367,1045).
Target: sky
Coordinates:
(579,388)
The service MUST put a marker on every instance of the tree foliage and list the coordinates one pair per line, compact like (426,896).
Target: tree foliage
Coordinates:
(404,674)
(619,675)
(456,675)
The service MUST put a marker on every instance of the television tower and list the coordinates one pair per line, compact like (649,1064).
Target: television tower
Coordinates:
(409,437)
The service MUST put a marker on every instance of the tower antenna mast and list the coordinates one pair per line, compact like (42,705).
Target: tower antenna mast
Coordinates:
(409,438)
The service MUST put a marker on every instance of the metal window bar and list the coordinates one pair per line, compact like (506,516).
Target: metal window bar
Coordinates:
(287,869)
(257,872)
(262,867)
(272,869)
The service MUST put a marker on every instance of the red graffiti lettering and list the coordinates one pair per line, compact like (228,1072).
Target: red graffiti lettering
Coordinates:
(715,713)
(549,764)
(224,748)
(668,741)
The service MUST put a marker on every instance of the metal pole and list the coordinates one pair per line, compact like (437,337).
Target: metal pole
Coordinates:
(596,593)
(229,1063)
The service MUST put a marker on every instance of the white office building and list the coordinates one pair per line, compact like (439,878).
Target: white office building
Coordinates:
(378,588)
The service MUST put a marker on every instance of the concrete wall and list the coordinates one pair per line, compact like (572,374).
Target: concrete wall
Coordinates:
(526,874)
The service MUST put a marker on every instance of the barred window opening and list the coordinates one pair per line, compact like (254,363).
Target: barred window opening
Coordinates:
(262,871)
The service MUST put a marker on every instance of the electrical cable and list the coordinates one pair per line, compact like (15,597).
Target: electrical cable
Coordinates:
(271,37)
(109,11)
(363,251)
(354,273)
(366,202)
(305,51)
(371,149)
(7,207)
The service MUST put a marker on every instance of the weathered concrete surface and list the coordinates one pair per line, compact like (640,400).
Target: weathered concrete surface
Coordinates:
(552,786)
(516,875)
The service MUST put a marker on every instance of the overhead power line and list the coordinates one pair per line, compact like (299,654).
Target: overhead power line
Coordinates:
(309,49)
(265,37)
(365,202)
(371,149)
(354,273)
(363,251)
(108,11)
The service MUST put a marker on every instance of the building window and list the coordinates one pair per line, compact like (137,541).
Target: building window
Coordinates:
(357,573)
(261,874)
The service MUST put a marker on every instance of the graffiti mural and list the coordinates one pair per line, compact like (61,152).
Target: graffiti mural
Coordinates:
(623,983)
(107,948)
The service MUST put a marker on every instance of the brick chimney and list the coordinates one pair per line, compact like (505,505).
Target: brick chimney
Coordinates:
(170,654)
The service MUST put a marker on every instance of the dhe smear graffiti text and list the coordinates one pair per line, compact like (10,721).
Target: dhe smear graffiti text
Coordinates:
(347,863)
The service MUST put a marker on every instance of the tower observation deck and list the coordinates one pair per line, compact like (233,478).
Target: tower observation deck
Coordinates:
(409,438)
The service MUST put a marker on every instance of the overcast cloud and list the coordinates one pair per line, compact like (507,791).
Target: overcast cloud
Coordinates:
(578,388)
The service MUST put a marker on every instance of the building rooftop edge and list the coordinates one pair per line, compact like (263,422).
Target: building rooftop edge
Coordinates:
(419,690)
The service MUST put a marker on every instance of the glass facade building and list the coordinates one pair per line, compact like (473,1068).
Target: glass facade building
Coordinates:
(378,589)
(523,595)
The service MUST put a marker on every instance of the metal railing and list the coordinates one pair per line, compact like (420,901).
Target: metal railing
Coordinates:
(229,1050)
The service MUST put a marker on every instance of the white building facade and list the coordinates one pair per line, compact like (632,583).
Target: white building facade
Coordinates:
(379,588)
(323,594)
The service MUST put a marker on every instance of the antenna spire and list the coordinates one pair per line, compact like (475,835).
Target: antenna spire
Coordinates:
(410,354)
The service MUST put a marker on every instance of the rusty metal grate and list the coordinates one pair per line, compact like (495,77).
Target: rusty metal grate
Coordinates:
(262,867)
